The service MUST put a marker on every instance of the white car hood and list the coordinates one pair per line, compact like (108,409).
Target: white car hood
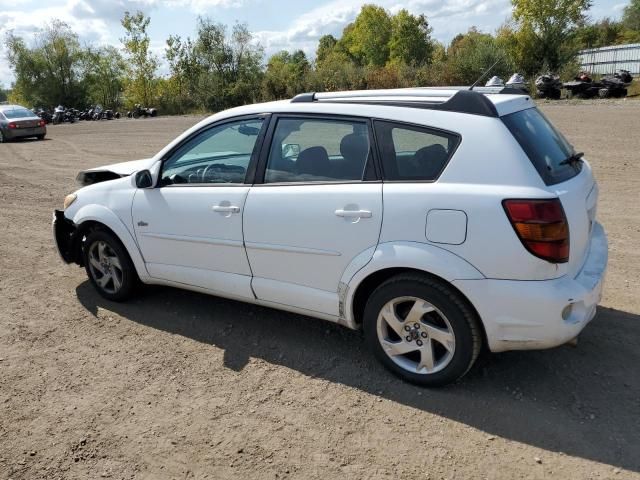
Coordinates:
(112,172)
(125,168)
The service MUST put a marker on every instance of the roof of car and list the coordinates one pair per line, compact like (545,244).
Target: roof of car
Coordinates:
(481,101)
(486,101)
(6,108)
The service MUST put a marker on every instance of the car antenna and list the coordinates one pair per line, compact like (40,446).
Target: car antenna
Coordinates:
(485,74)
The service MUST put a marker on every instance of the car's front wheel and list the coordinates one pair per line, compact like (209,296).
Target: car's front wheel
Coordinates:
(422,329)
(109,266)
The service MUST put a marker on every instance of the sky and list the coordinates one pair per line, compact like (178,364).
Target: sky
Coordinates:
(277,24)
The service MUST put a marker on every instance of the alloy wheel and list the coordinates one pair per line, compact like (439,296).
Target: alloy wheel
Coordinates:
(415,335)
(105,267)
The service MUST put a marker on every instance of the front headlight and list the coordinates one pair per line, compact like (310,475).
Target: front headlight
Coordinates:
(69,199)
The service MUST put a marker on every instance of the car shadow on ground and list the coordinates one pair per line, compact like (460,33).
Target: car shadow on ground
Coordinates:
(582,401)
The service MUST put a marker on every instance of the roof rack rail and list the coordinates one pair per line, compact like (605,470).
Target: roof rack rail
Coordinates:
(452,99)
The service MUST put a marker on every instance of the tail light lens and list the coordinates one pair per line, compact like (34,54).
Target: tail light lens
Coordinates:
(541,226)
(42,123)
(12,125)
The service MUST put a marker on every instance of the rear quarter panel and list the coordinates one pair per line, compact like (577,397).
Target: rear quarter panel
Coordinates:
(488,167)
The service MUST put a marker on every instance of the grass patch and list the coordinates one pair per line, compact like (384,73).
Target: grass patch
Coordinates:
(633,90)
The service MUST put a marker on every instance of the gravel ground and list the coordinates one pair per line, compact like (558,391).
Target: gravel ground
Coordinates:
(181,385)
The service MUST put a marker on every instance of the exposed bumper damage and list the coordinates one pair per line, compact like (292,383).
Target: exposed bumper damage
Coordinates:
(525,315)
(65,235)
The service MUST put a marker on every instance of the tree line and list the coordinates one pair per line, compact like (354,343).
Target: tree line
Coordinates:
(223,66)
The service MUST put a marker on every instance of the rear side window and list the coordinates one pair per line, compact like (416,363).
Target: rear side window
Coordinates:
(414,153)
(318,150)
(545,146)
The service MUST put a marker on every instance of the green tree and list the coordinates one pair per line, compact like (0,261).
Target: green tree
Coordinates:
(185,73)
(553,23)
(231,65)
(337,71)
(142,64)
(471,54)
(410,41)
(104,76)
(326,45)
(49,73)
(631,16)
(286,74)
(522,48)
(3,95)
(367,38)
(599,34)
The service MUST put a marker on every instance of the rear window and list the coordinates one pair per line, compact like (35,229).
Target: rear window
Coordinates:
(18,113)
(545,146)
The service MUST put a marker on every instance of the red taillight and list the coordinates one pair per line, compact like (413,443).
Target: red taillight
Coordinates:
(42,123)
(13,125)
(542,227)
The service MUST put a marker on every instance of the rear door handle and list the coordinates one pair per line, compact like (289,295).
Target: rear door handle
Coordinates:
(353,213)
(226,208)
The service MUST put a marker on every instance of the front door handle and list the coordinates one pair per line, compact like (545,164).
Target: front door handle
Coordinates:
(226,208)
(353,213)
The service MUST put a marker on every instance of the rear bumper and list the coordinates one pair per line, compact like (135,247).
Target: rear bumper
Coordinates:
(65,237)
(12,133)
(524,315)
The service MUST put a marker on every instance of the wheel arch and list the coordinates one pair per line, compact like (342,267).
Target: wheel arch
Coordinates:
(96,216)
(394,258)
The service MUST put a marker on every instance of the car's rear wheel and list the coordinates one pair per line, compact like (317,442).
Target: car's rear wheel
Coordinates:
(40,137)
(109,266)
(422,329)
(3,139)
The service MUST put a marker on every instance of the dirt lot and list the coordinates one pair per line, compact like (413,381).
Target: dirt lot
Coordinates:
(181,385)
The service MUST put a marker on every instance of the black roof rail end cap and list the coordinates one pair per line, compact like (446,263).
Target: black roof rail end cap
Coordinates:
(468,101)
(304,98)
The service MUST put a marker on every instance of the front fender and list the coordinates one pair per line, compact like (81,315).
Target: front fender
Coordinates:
(101,214)
(414,255)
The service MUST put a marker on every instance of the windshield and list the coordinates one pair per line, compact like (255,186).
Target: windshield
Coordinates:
(18,113)
(545,146)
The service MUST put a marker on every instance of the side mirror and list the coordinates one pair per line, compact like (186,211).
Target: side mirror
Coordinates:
(144,179)
(290,150)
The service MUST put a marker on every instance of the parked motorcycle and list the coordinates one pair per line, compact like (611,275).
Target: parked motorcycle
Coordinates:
(624,75)
(58,115)
(44,115)
(140,111)
(613,85)
(548,86)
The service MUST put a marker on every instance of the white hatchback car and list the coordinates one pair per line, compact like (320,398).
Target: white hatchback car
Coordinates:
(438,220)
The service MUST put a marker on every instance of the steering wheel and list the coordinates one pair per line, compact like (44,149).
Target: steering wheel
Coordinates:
(204,173)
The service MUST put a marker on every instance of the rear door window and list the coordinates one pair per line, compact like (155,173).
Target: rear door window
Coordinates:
(545,146)
(307,150)
(413,153)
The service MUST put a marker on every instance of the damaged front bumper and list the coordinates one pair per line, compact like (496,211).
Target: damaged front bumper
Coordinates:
(65,237)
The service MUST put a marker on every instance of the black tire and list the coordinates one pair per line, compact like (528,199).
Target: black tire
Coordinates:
(3,139)
(460,316)
(128,278)
(40,137)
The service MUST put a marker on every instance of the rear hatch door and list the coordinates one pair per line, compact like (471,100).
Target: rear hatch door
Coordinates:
(565,174)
